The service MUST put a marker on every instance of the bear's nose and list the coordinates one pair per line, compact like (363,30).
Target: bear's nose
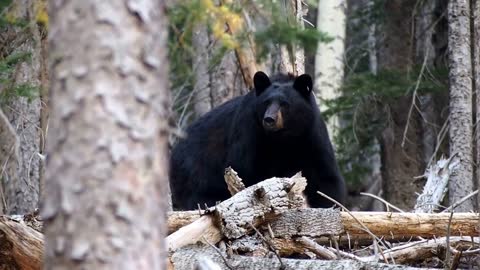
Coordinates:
(269,121)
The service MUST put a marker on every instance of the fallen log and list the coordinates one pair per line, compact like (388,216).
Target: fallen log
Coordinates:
(21,247)
(409,253)
(235,217)
(418,251)
(402,225)
(391,226)
(189,257)
(178,219)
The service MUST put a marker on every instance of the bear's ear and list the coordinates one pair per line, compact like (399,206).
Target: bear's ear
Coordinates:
(261,82)
(303,84)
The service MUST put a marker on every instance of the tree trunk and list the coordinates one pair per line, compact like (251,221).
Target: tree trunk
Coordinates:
(289,59)
(107,150)
(21,184)
(214,83)
(329,59)
(400,164)
(460,78)
(425,54)
(476,76)
(202,100)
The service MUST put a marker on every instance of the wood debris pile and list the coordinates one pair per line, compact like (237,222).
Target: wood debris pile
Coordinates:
(267,226)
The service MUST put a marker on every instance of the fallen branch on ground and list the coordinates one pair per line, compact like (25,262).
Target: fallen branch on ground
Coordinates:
(20,246)
(383,224)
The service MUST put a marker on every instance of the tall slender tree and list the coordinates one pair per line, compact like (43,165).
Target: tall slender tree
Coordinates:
(460,78)
(106,177)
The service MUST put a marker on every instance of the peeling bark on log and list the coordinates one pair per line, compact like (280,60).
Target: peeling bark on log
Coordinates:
(259,202)
(236,216)
(188,257)
(21,247)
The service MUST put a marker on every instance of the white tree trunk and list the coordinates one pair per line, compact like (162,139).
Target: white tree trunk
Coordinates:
(460,78)
(107,173)
(329,62)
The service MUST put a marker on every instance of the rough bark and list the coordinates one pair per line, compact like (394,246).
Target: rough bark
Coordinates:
(329,59)
(476,76)
(21,185)
(307,222)
(107,167)
(460,80)
(400,164)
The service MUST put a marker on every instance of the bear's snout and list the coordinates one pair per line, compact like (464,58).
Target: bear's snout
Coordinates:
(273,119)
(269,121)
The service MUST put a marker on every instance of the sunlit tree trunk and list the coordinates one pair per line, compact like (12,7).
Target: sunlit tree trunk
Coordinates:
(329,60)
(106,177)
(21,157)
(460,78)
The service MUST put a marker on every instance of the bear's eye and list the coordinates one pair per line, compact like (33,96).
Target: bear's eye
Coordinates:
(284,104)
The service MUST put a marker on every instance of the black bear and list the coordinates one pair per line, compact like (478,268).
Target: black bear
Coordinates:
(274,130)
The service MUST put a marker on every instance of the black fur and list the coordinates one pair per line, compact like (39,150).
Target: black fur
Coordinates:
(233,135)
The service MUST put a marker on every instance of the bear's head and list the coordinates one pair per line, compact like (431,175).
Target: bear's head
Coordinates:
(284,105)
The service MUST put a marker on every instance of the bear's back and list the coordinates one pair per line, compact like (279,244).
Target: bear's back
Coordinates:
(198,160)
